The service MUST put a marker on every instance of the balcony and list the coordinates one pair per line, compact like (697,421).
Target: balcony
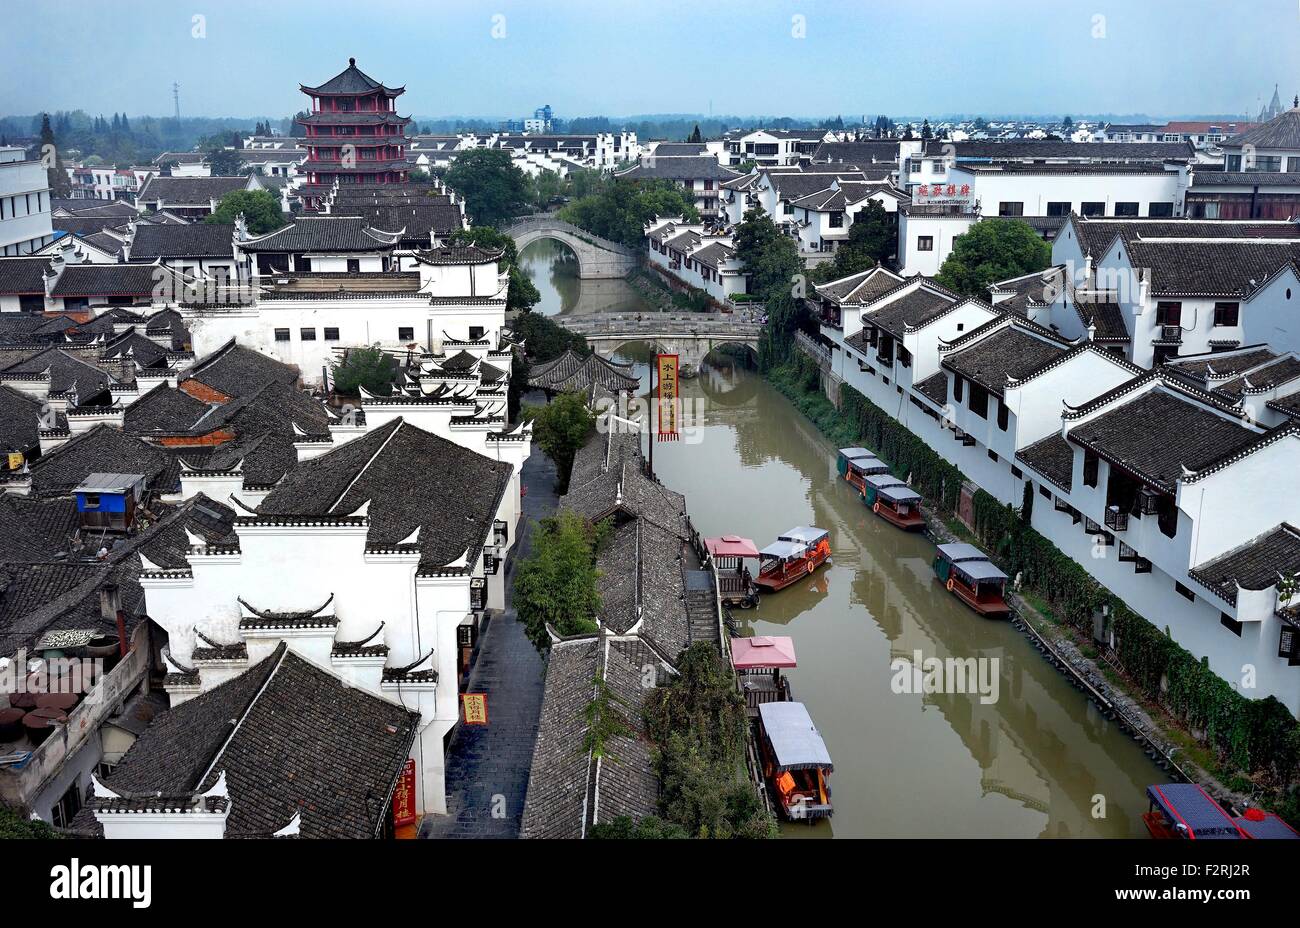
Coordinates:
(1116,519)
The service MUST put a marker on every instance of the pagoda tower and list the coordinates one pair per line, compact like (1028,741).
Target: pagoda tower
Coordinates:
(354,135)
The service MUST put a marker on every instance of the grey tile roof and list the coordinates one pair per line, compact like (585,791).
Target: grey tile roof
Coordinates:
(237,371)
(1282,131)
(305,742)
(572,372)
(323,234)
(100,450)
(19,415)
(862,287)
(23,275)
(1009,352)
(1053,457)
(196,240)
(671,168)
(66,371)
(1211,268)
(188,191)
(413,479)
(909,310)
(1045,149)
(1256,565)
(163,409)
(1158,433)
(351,80)
(34,529)
(863,152)
(934,388)
(107,280)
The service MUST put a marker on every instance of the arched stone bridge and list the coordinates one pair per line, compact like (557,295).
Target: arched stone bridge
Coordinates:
(690,335)
(597,257)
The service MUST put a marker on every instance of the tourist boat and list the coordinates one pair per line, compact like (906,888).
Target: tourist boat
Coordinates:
(894,501)
(793,556)
(796,764)
(972,578)
(1256,823)
(857,464)
(1184,810)
(758,662)
(728,554)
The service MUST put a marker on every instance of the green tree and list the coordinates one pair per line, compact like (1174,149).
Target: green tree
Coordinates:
(621,210)
(872,238)
(926,132)
(545,189)
(544,338)
(560,428)
(494,189)
(993,249)
(523,293)
(15,826)
(261,210)
(223,162)
(48,155)
(364,367)
(771,257)
(785,314)
(556,584)
(695,134)
(624,828)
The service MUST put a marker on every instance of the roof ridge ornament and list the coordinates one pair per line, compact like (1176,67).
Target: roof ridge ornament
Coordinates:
(218,790)
(459,563)
(361,512)
(291,830)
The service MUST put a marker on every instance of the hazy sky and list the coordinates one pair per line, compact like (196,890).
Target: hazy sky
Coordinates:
(617,57)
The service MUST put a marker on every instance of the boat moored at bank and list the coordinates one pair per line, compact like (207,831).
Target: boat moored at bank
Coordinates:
(855,465)
(1184,810)
(794,555)
(894,501)
(735,583)
(758,662)
(969,575)
(796,764)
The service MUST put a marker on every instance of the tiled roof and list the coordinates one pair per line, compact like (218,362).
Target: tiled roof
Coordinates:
(237,371)
(1256,565)
(19,413)
(412,479)
(862,287)
(934,388)
(1046,149)
(102,449)
(189,191)
(1009,352)
(351,80)
(1157,434)
(572,372)
(863,152)
(323,234)
(23,275)
(107,280)
(196,240)
(1053,457)
(33,529)
(303,741)
(1282,131)
(163,409)
(66,371)
(909,310)
(1211,268)
(670,168)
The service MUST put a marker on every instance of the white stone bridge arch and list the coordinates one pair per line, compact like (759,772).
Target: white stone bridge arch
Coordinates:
(597,257)
(690,335)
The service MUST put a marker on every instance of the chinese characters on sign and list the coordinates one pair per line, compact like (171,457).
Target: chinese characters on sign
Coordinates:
(943,193)
(475,708)
(404,796)
(669,398)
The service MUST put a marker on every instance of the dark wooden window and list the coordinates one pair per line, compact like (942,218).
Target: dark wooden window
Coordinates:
(957,387)
(979,401)
(405,333)
(307,335)
(1090,466)
(331,334)
(1160,210)
(1011,209)
(1093,209)
(925,243)
(1227,313)
(281,335)
(1184,592)
(1230,623)
(1004,418)
(1169,313)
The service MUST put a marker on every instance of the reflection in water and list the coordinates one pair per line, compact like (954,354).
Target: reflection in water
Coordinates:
(1041,761)
(554,270)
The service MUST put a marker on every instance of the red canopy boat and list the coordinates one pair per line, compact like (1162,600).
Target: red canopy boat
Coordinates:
(894,501)
(793,556)
(971,577)
(855,465)
(1184,810)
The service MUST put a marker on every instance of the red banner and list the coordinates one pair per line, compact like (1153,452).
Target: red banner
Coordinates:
(404,796)
(669,397)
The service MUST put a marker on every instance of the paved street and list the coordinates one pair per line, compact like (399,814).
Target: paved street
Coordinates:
(487,766)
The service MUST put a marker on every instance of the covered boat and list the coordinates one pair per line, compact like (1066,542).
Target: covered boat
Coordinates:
(795,554)
(894,501)
(758,662)
(857,464)
(735,583)
(796,764)
(972,578)
(1256,823)
(1184,810)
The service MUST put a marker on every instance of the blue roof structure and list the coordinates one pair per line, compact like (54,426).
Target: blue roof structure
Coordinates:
(1193,812)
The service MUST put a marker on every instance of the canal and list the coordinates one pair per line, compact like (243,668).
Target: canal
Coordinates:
(554,270)
(1038,761)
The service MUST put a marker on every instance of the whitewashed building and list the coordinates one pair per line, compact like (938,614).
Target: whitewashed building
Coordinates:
(688,254)
(24,204)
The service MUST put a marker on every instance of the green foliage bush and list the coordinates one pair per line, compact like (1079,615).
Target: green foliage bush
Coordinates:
(556,583)
(14,827)
(367,367)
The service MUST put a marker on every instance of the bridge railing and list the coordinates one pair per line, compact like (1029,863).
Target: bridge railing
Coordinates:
(717,324)
(551,222)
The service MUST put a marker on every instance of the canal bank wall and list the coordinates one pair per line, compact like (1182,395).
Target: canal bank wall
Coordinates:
(1189,736)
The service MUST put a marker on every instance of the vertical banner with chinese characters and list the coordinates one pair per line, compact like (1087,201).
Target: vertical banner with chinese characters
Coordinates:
(404,796)
(475,708)
(669,397)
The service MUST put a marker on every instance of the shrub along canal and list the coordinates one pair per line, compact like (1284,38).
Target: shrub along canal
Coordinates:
(1039,760)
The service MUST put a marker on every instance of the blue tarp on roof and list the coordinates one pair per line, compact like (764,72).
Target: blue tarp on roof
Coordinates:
(1192,811)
